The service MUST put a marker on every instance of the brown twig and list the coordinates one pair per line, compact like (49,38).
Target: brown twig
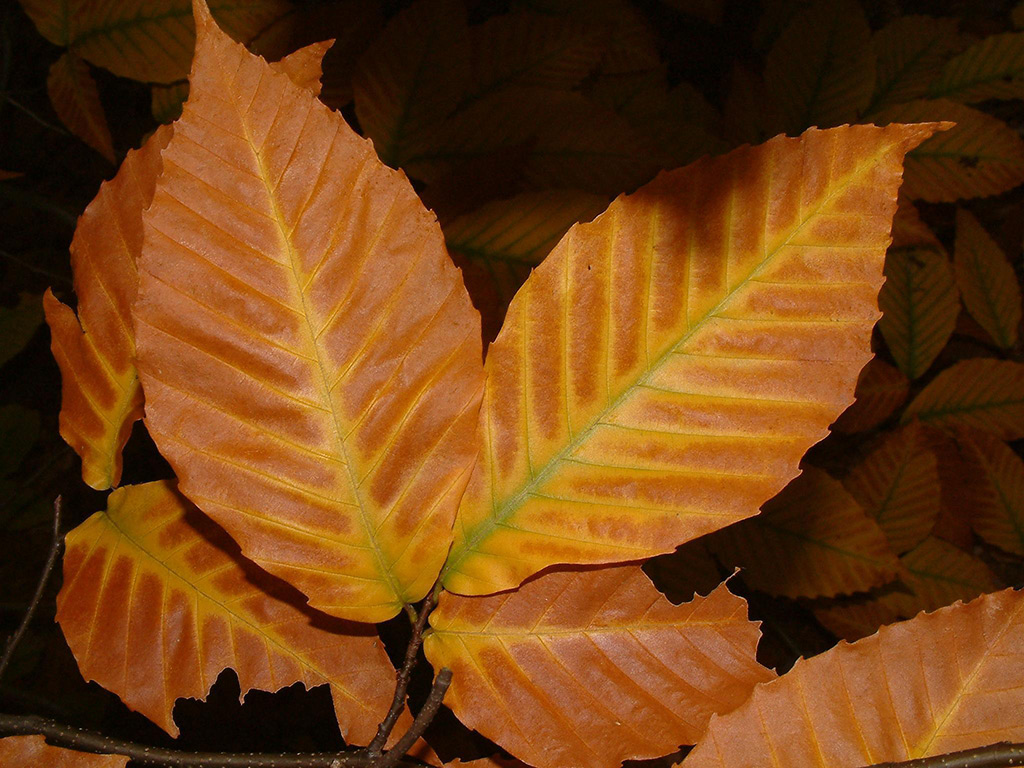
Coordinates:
(433,703)
(51,561)
(1002,755)
(404,673)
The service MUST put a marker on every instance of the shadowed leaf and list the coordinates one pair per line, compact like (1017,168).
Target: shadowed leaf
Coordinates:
(157,601)
(310,357)
(828,544)
(910,52)
(997,485)
(593,667)
(18,325)
(76,101)
(34,752)
(990,69)
(661,373)
(881,389)
(946,681)
(987,282)
(982,393)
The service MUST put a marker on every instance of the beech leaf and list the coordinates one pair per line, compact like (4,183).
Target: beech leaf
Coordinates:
(593,667)
(157,601)
(987,282)
(997,485)
(310,357)
(34,752)
(990,69)
(943,682)
(76,101)
(661,373)
(881,389)
(910,52)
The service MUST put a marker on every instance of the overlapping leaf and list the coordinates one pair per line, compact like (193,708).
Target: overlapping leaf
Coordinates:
(946,681)
(690,570)
(936,574)
(18,325)
(101,398)
(593,667)
(919,304)
(881,389)
(980,156)
(990,69)
(898,485)
(910,52)
(157,601)
(997,511)
(828,544)
(34,752)
(982,393)
(661,373)
(821,69)
(310,357)
(987,282)
(76,101)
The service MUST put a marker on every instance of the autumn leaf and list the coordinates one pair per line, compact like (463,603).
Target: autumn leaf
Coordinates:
(980,156)
(881,389)
(593,667)
(898,485)
(990,69)
(34,752)
(946,681)
(166,101)
(18,325)
(821,69)
(310,357)
(910,52)
(997,512)
(987,282)
(157,601)
(827,542)
(982,393)
(101,398)
(76,101)
(690,570)
(936,574)
(661,373)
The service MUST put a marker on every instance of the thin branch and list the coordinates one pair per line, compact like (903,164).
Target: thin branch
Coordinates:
(51,560)
(1002,755)
(404,673)
(81,740)
(433,703)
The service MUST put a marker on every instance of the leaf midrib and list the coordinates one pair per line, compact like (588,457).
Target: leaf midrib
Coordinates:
(485,528)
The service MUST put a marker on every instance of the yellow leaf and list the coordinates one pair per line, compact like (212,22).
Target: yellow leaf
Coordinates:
(821,69)
(990,69)
(77,103)
(910,51)
(898,485)
(936,574)
(593,667)
(101,399)
(946,681)
(881,389)
(982,393)
(34,752)
(828,544)
(661,373)
(997,490)
(987,282)
(157,601)
(919,304)
(310,357)
(980,156)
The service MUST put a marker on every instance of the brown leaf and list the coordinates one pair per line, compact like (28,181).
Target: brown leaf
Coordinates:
(881,389)
(77,103)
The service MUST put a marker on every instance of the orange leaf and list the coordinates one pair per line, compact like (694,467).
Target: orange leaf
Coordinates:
(982,393)
(997,485)
(946,681)
(980,156)
(157,601)
(898,485)
(661,373)
(936,574)
(310,356)
(987,282)
(101,398)
(34,752)
(77,103)
(881,389)
(593,667)
(828,544)
(919,304)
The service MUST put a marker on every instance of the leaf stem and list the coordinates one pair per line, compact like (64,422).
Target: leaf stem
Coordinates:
(1001,755)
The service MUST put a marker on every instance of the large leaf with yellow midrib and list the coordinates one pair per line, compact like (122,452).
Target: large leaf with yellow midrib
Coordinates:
(309,355)
(660,375)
